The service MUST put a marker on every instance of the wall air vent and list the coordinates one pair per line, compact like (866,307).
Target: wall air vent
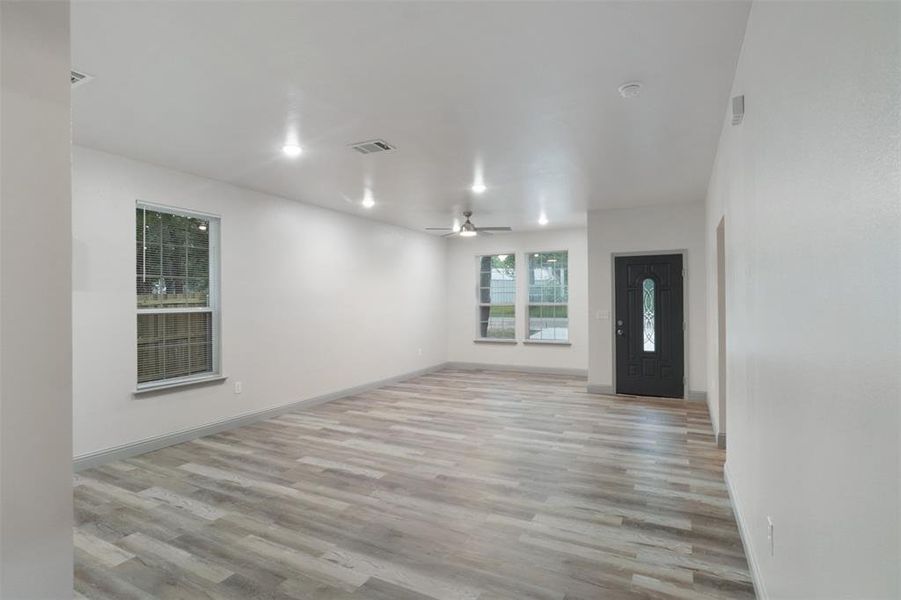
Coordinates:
(76,78)
(372,146)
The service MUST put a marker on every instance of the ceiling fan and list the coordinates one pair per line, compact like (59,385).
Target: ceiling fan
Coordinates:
(467,229)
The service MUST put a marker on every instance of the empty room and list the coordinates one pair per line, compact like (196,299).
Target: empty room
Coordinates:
(450,300)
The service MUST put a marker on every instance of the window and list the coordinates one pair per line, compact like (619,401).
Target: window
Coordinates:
(549,296)
(497,296)
(648,310)
(177,296)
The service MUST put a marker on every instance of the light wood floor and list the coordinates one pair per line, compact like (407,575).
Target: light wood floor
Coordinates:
(453,486)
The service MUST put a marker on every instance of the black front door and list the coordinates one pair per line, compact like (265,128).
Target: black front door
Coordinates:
(649,326)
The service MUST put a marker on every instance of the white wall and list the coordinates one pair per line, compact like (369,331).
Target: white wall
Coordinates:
(35,304)
(313,301)
(646,229)
(462,319)
(809,186)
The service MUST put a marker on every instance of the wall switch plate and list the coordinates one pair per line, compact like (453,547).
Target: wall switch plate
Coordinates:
(738,109)
(238,388)
(769,535)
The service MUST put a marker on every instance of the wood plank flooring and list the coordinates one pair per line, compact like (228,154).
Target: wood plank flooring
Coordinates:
(457,485)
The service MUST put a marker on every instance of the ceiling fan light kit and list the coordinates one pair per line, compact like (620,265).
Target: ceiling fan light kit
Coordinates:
(467,229)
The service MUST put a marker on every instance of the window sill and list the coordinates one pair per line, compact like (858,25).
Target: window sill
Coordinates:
(548,342)
(494,341)
(173,384)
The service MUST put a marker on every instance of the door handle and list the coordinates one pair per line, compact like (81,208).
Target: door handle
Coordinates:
(619,332)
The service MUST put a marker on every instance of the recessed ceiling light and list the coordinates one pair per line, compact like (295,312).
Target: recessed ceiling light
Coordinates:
(542,220)
(630,89)
(478,187)
(368,200)
(292,150)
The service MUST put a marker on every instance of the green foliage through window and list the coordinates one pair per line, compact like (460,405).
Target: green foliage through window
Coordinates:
(497,296)
(172,260)
(175,320)
(549,296)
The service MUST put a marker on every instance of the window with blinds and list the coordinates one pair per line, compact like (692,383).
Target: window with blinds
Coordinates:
(497,296)
(549,296)
(177,295)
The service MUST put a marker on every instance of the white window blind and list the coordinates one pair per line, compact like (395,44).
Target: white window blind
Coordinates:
(549,296)
(177,295)
(497,296)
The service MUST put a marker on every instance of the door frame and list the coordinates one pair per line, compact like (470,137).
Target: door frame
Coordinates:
(686,309)
(721,330)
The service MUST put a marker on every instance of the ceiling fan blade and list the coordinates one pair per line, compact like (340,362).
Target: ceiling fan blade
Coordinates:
(450,234)
(438,229)
(493,229)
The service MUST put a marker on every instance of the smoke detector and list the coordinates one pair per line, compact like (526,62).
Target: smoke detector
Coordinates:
(372,146)
(630,89)
(76,78)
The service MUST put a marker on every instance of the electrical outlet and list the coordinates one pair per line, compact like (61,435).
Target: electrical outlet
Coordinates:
(238,388)
(769,535)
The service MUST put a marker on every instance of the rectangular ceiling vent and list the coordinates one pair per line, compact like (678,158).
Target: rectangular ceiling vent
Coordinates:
(77,78)
(372,146)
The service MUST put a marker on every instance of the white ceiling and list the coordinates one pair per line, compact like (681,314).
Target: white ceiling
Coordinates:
(526,92)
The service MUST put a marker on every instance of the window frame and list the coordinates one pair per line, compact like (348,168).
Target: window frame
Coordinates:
(480,305)
(214,308)
(529,304)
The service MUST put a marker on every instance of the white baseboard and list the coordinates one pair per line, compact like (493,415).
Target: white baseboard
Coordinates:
(471,366)
(607,390)
(99,457)
(756,579)
(695,395)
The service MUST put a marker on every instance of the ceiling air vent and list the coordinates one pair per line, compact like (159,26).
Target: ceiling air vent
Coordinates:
(77,78)
(372,146)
